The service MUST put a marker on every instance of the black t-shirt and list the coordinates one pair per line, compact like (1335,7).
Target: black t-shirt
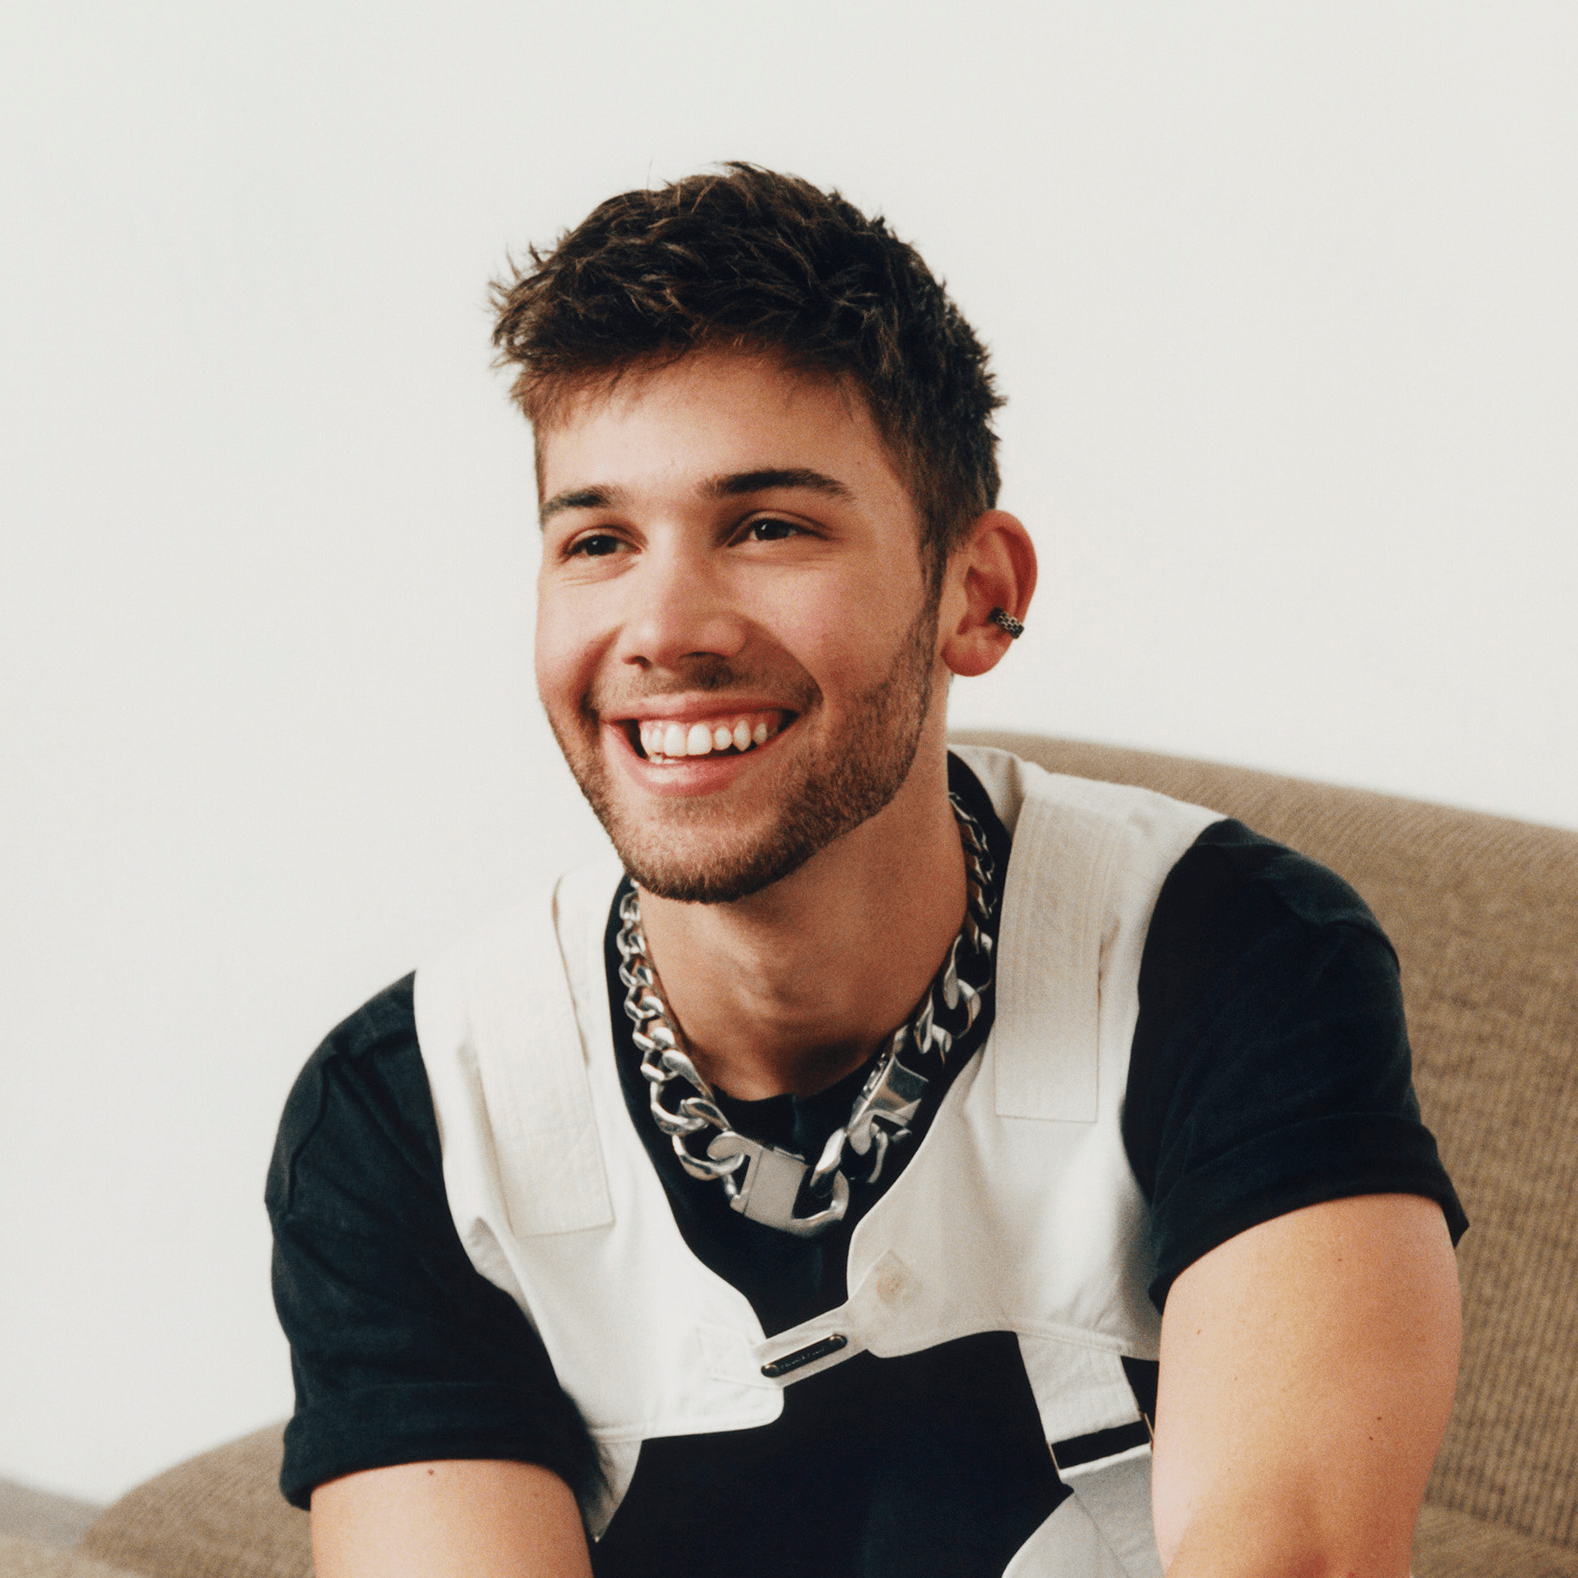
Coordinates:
(1270,1070)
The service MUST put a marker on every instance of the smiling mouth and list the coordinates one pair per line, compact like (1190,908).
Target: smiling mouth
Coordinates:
(664,740)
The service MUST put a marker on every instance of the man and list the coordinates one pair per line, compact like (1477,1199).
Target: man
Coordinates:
(843,1180)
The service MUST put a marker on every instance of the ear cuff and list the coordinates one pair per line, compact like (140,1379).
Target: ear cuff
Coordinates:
(1006,621)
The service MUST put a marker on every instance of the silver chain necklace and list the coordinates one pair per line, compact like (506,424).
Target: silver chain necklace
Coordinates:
(763,1181)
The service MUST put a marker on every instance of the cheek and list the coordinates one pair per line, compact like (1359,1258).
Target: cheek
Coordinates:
(562,660)
(863,612)
(816,625)
(847,642)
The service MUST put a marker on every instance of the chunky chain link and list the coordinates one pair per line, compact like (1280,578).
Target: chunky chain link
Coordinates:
(763,1181)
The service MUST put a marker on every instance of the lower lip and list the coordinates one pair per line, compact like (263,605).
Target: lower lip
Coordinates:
(691,775)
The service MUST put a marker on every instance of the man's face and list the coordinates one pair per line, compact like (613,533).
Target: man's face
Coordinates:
(736,645)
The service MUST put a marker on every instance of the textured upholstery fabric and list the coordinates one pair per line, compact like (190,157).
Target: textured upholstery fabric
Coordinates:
(1457,1545)
(216,1516)
(1484,915)
(28,1559)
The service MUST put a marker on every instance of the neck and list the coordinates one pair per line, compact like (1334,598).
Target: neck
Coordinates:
(792,988)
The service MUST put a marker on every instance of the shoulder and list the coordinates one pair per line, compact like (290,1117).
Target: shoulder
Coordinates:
(1253,944)
(1085,852)
(1230,892)
(1219,889)
(359,1112)
(524,949)
(1021,789)
(1229,867)
(1251,935)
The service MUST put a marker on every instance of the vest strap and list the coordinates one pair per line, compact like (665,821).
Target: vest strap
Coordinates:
(516,1072)
(1115,1493)
(1047,1064)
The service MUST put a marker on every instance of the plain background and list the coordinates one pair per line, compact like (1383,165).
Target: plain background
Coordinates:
(1282,297)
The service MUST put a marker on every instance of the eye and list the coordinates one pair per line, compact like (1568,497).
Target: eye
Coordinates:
(770,528)
(595,545)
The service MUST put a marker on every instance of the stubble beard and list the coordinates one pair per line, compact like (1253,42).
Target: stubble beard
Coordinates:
(847,782)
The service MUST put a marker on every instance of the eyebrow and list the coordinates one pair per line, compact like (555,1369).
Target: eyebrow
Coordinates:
(772,477)
(597,498)
(732,485)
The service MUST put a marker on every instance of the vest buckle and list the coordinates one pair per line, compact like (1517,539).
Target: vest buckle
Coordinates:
(801,1357)
(772,1183)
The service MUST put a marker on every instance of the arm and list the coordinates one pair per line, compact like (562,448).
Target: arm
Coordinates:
(1307,1371)
(453,1519)
(400,1349)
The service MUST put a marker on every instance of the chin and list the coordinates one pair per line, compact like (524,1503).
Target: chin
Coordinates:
(718,877)
(699,863)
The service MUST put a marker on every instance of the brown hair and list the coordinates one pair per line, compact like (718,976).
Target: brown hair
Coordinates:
(754,260)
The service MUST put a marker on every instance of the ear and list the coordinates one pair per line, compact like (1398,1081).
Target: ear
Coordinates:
(995,567)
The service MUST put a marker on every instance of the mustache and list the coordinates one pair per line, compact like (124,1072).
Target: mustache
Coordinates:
(708,674)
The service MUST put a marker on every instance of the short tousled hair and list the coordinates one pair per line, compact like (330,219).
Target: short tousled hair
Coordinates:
(755,261)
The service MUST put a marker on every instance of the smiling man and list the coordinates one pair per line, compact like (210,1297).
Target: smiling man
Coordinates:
(895,1161)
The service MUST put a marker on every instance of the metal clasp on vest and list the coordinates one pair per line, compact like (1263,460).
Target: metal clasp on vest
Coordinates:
(804,1356)
(771,1186)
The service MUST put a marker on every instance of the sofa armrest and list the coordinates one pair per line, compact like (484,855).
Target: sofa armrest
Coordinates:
(1450,1544)
(219,1515)
(21,1558)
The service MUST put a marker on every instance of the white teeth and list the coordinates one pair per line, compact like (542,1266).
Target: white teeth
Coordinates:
(667,741)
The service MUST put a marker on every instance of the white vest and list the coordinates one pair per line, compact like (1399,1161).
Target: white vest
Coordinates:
(1017,1212)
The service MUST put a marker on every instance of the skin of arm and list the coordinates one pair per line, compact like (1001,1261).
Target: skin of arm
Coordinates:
(451,1519)
(1307,1371)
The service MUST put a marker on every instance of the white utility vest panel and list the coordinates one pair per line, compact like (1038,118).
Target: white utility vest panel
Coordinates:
(1018,1212)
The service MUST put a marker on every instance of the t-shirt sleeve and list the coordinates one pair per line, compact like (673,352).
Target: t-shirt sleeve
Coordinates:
(401,1350)
(1271,1068)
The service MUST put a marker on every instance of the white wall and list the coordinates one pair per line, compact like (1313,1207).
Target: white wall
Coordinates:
(1282,296)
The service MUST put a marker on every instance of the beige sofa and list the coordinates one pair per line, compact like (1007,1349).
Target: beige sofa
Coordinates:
(1484,913)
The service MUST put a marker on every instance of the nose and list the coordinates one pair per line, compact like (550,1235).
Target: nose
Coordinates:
(679,609)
